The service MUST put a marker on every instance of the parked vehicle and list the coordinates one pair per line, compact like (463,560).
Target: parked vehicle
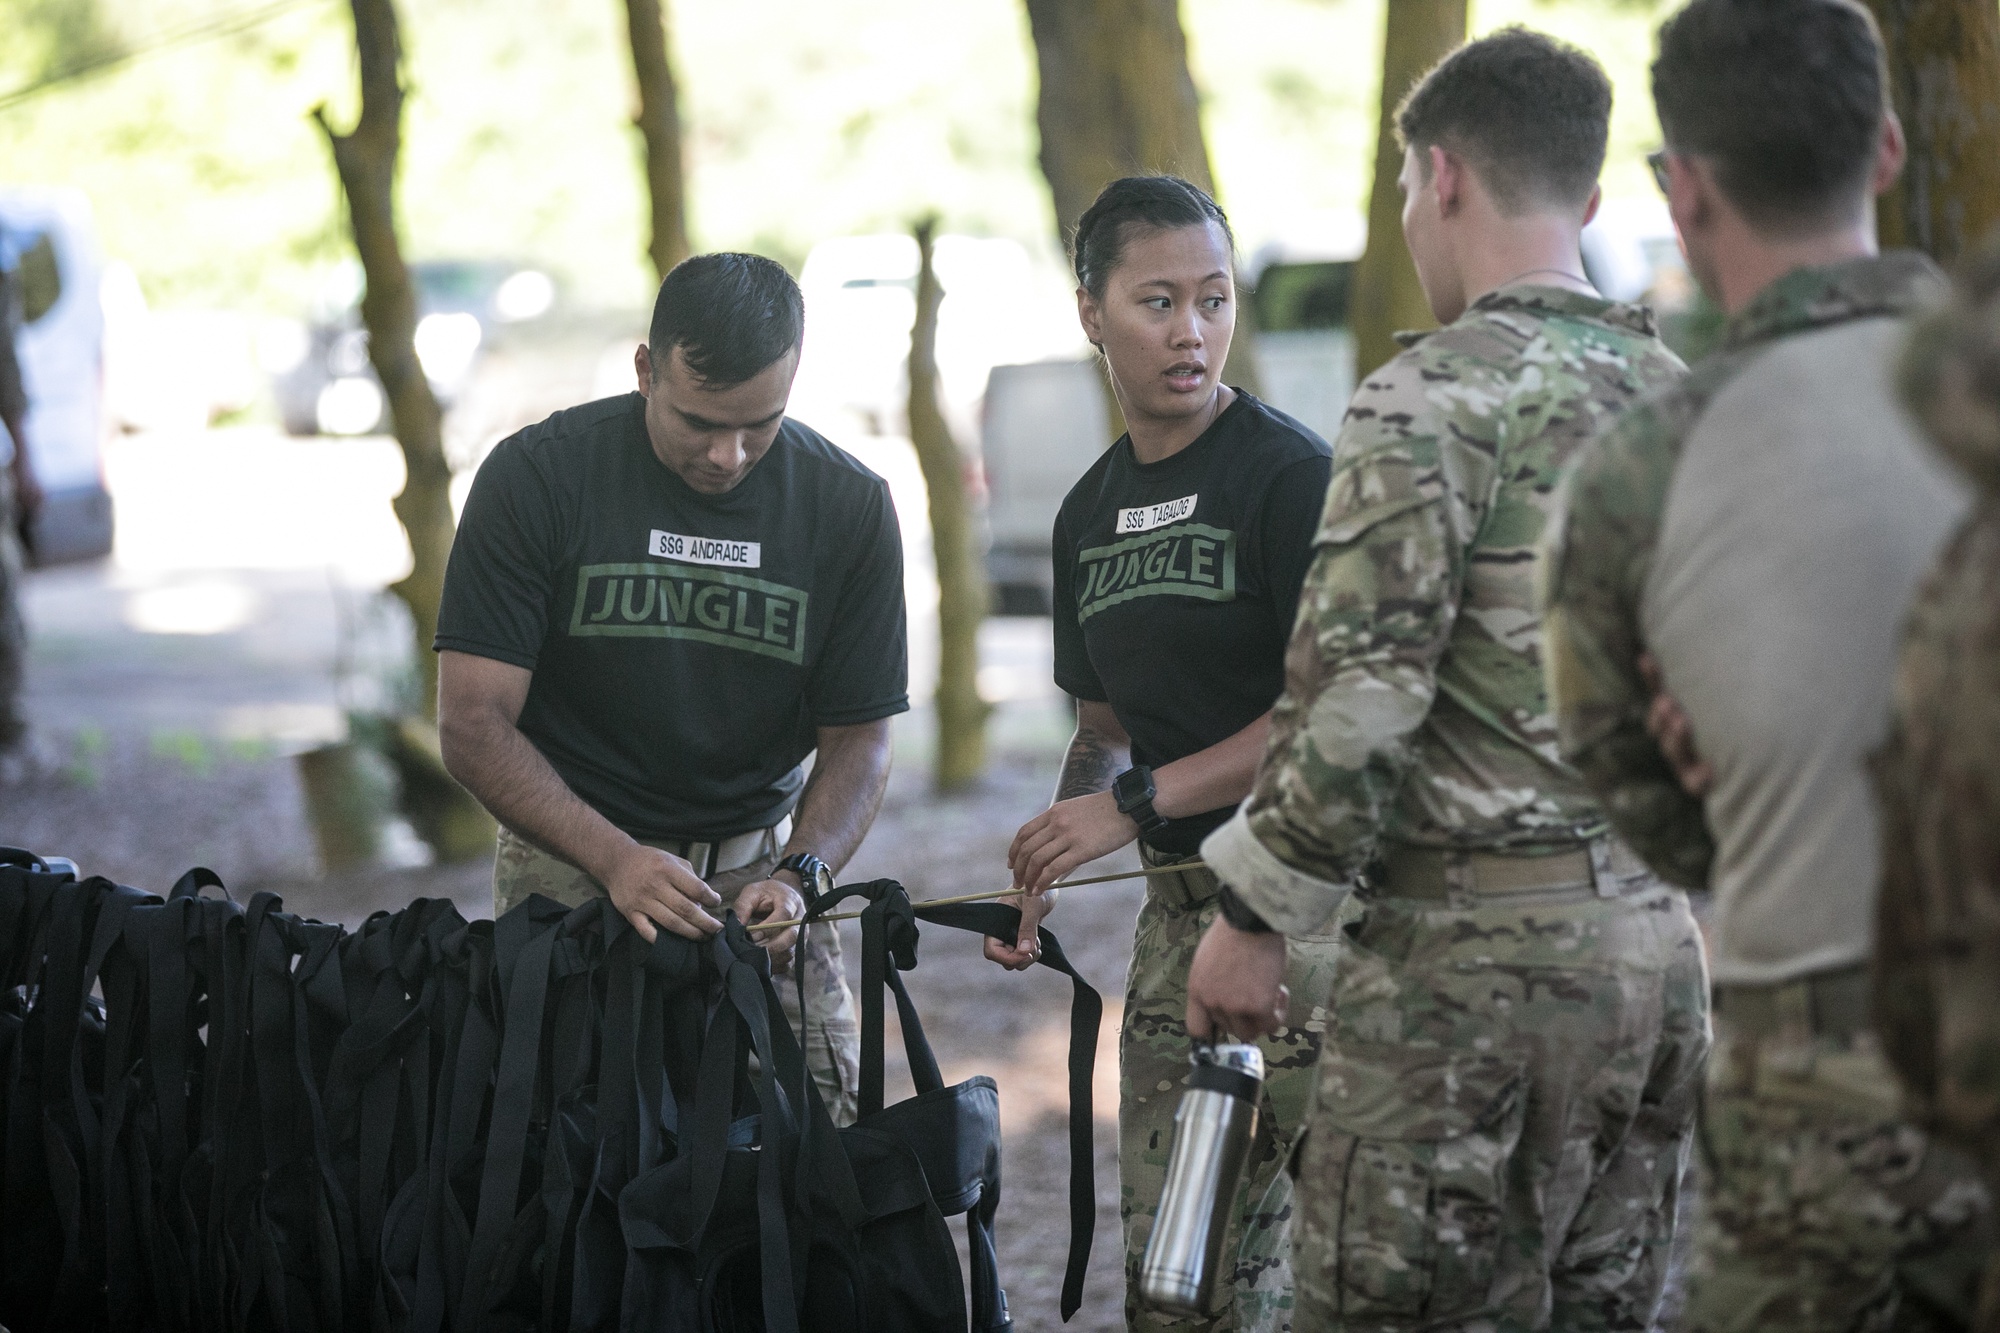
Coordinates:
(1631,253)
(47,236)
(1042,426)
(1305,349)
(319,367)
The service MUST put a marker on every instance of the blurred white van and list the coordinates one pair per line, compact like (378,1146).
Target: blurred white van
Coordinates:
(47,238)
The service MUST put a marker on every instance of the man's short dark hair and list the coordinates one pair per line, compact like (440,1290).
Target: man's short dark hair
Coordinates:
(1530,114)
(730,314)
(1784,97)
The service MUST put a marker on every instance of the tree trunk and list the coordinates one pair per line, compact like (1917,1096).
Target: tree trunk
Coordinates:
(1117,99)
(961,713)
(1944,71)
(366,161)
(1387,297)
(659,122)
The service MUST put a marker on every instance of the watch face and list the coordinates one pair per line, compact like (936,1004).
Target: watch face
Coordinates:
(814,875)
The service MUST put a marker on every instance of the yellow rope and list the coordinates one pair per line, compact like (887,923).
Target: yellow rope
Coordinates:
(1004,893)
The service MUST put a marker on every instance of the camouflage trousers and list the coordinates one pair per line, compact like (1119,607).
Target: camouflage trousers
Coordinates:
(1153,1063)
(1503,1113)
(1822,1208)
(827,1029)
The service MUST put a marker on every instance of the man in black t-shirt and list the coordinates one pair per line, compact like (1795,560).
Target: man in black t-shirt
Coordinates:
(656,608)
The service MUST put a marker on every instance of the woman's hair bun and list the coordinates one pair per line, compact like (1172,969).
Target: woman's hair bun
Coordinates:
(1097,246)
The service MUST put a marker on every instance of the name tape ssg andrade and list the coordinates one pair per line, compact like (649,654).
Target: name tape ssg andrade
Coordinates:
(706,550)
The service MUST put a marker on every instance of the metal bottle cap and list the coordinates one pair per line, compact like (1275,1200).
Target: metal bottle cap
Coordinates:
(1240,1056)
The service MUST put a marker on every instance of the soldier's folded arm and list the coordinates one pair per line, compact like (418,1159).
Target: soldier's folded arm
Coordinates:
(1595,561)
(1360,675)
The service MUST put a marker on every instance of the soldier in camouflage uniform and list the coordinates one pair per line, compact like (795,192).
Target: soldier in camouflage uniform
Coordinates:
(1506,1087)
(1937,948)
(1722,612)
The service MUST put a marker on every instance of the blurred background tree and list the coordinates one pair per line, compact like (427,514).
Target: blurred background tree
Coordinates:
(365,159)
(1387,298)
(801,120)
(1944,70)
(659,123)
(961,577)
(1117,99)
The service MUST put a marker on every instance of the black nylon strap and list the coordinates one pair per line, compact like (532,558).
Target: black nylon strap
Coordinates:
(63,992)
(1086,1013)
(888,948)
(747,985)
(524,970)
(894,918)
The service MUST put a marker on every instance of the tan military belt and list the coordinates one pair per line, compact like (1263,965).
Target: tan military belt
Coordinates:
(1833,1003)
(1184,892)
(713,858)
(1605,867)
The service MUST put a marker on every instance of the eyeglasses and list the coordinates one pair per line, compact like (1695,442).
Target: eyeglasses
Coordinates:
(1657,160)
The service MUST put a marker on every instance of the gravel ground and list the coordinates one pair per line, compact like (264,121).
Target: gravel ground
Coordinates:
(143,808)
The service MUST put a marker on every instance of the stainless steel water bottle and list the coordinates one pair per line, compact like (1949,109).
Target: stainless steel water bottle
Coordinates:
(1212,1132)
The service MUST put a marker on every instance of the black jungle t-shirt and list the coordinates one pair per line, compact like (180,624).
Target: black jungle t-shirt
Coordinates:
(685,646)
(1176,584)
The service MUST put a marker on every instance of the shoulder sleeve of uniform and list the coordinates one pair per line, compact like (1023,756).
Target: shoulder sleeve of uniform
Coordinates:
(1375,612)
(1441,405)
(1597,555)
(499,581)
(863,672)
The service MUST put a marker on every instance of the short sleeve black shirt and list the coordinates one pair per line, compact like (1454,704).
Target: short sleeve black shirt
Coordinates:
(685,647)
(1177,582)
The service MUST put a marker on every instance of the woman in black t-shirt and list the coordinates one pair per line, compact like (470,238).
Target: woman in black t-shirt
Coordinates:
(1179,558)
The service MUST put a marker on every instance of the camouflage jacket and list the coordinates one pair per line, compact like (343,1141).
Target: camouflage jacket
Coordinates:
(1600,551)
(1937,954)
(1413,708)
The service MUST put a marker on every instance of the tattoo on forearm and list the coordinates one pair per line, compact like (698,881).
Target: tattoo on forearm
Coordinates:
(1089,766)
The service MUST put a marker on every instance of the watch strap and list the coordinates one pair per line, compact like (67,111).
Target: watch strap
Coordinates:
(810,869)
(1133,791)
(1241,914)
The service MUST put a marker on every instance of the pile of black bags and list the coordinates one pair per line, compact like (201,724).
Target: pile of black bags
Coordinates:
(217,1116)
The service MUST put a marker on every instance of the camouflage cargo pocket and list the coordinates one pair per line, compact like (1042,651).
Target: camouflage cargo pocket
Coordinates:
(1418,1140)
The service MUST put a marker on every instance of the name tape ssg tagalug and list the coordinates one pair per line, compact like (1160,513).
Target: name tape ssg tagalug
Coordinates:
(1145,518)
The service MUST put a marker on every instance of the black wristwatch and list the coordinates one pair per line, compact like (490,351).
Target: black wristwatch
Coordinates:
(1133,790)
(815,876)
(1241,914)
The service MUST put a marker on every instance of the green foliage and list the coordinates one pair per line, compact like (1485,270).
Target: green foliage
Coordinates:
(806,118)
(85,767)
(50,37)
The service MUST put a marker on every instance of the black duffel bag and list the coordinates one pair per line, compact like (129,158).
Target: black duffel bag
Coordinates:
(770,1219)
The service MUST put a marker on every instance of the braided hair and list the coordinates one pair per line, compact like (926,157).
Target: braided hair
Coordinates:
(1163,203)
